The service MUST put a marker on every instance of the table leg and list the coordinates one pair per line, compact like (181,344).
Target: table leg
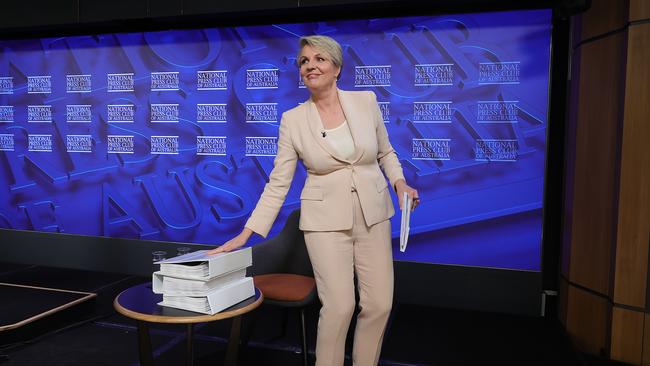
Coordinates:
(233,342)
(144,344)
(189,360)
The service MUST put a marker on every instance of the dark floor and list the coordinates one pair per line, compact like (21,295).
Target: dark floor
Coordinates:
(93,334)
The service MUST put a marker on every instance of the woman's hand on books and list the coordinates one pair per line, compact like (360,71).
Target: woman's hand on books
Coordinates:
(234,243)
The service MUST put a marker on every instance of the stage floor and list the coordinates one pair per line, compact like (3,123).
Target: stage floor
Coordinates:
(417,335)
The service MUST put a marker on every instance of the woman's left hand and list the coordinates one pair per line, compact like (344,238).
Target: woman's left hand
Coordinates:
(400,188)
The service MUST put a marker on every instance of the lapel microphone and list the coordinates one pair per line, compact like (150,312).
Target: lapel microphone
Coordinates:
(323,133)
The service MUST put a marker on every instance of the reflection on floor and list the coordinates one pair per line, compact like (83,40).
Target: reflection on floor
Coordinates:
(93,334)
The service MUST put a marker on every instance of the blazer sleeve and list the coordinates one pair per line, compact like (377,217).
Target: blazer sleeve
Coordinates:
(386,156)
(275,190)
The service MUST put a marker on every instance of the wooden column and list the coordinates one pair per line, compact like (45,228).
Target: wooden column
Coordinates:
(604,278)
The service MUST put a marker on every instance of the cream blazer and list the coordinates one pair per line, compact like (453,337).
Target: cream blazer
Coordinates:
(326,197)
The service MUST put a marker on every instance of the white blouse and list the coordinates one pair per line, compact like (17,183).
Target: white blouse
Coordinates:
(340,138)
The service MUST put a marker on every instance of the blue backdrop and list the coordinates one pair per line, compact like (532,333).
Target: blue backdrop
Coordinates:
(171,135)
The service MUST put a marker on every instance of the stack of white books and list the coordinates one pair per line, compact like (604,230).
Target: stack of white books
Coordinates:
(204,283)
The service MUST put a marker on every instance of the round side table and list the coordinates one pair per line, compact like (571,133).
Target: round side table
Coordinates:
(140,303)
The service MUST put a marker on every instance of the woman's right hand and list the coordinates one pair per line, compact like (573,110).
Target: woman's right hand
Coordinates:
(234,243)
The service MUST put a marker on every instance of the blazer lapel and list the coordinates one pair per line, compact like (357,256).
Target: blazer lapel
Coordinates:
(316,127)
(355,123)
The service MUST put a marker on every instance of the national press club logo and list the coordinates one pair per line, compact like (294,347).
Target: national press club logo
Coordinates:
(499,72)
(39,113)
(120,113)
(261,112)
(39,84)
(6,113)
(384,108)
(164,145)
(262,79)
(120,144)
(6,142)
(497,111)
(165,81)
(39,143)
(371,76)
(431,149)
(211,145)
(496,150)
(78,113)
(432,112)
(164,113)
(119,82)
(78,84)
(211,113)
(433,75)
(212,80)
(261,146)
(6,85)
(79,143)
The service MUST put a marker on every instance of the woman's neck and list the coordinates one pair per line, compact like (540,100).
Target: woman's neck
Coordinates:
(327,99)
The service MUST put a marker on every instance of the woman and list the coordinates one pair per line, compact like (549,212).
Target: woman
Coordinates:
(345,204)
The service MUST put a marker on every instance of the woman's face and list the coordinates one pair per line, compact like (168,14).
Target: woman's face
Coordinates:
(317,70)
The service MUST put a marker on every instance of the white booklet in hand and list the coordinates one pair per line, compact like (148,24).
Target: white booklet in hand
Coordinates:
(406,222)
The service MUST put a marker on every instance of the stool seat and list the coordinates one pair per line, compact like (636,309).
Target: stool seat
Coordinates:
(284,286)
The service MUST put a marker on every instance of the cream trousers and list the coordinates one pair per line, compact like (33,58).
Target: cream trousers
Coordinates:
(336,256)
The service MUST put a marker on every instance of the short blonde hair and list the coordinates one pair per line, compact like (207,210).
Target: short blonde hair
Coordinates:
(325,44)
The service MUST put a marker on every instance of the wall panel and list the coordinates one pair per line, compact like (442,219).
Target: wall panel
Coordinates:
(604,16)
(639,10)
(627,335)
(596,160)
(633,233)
(587,318)
(646,341)
(608,183)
